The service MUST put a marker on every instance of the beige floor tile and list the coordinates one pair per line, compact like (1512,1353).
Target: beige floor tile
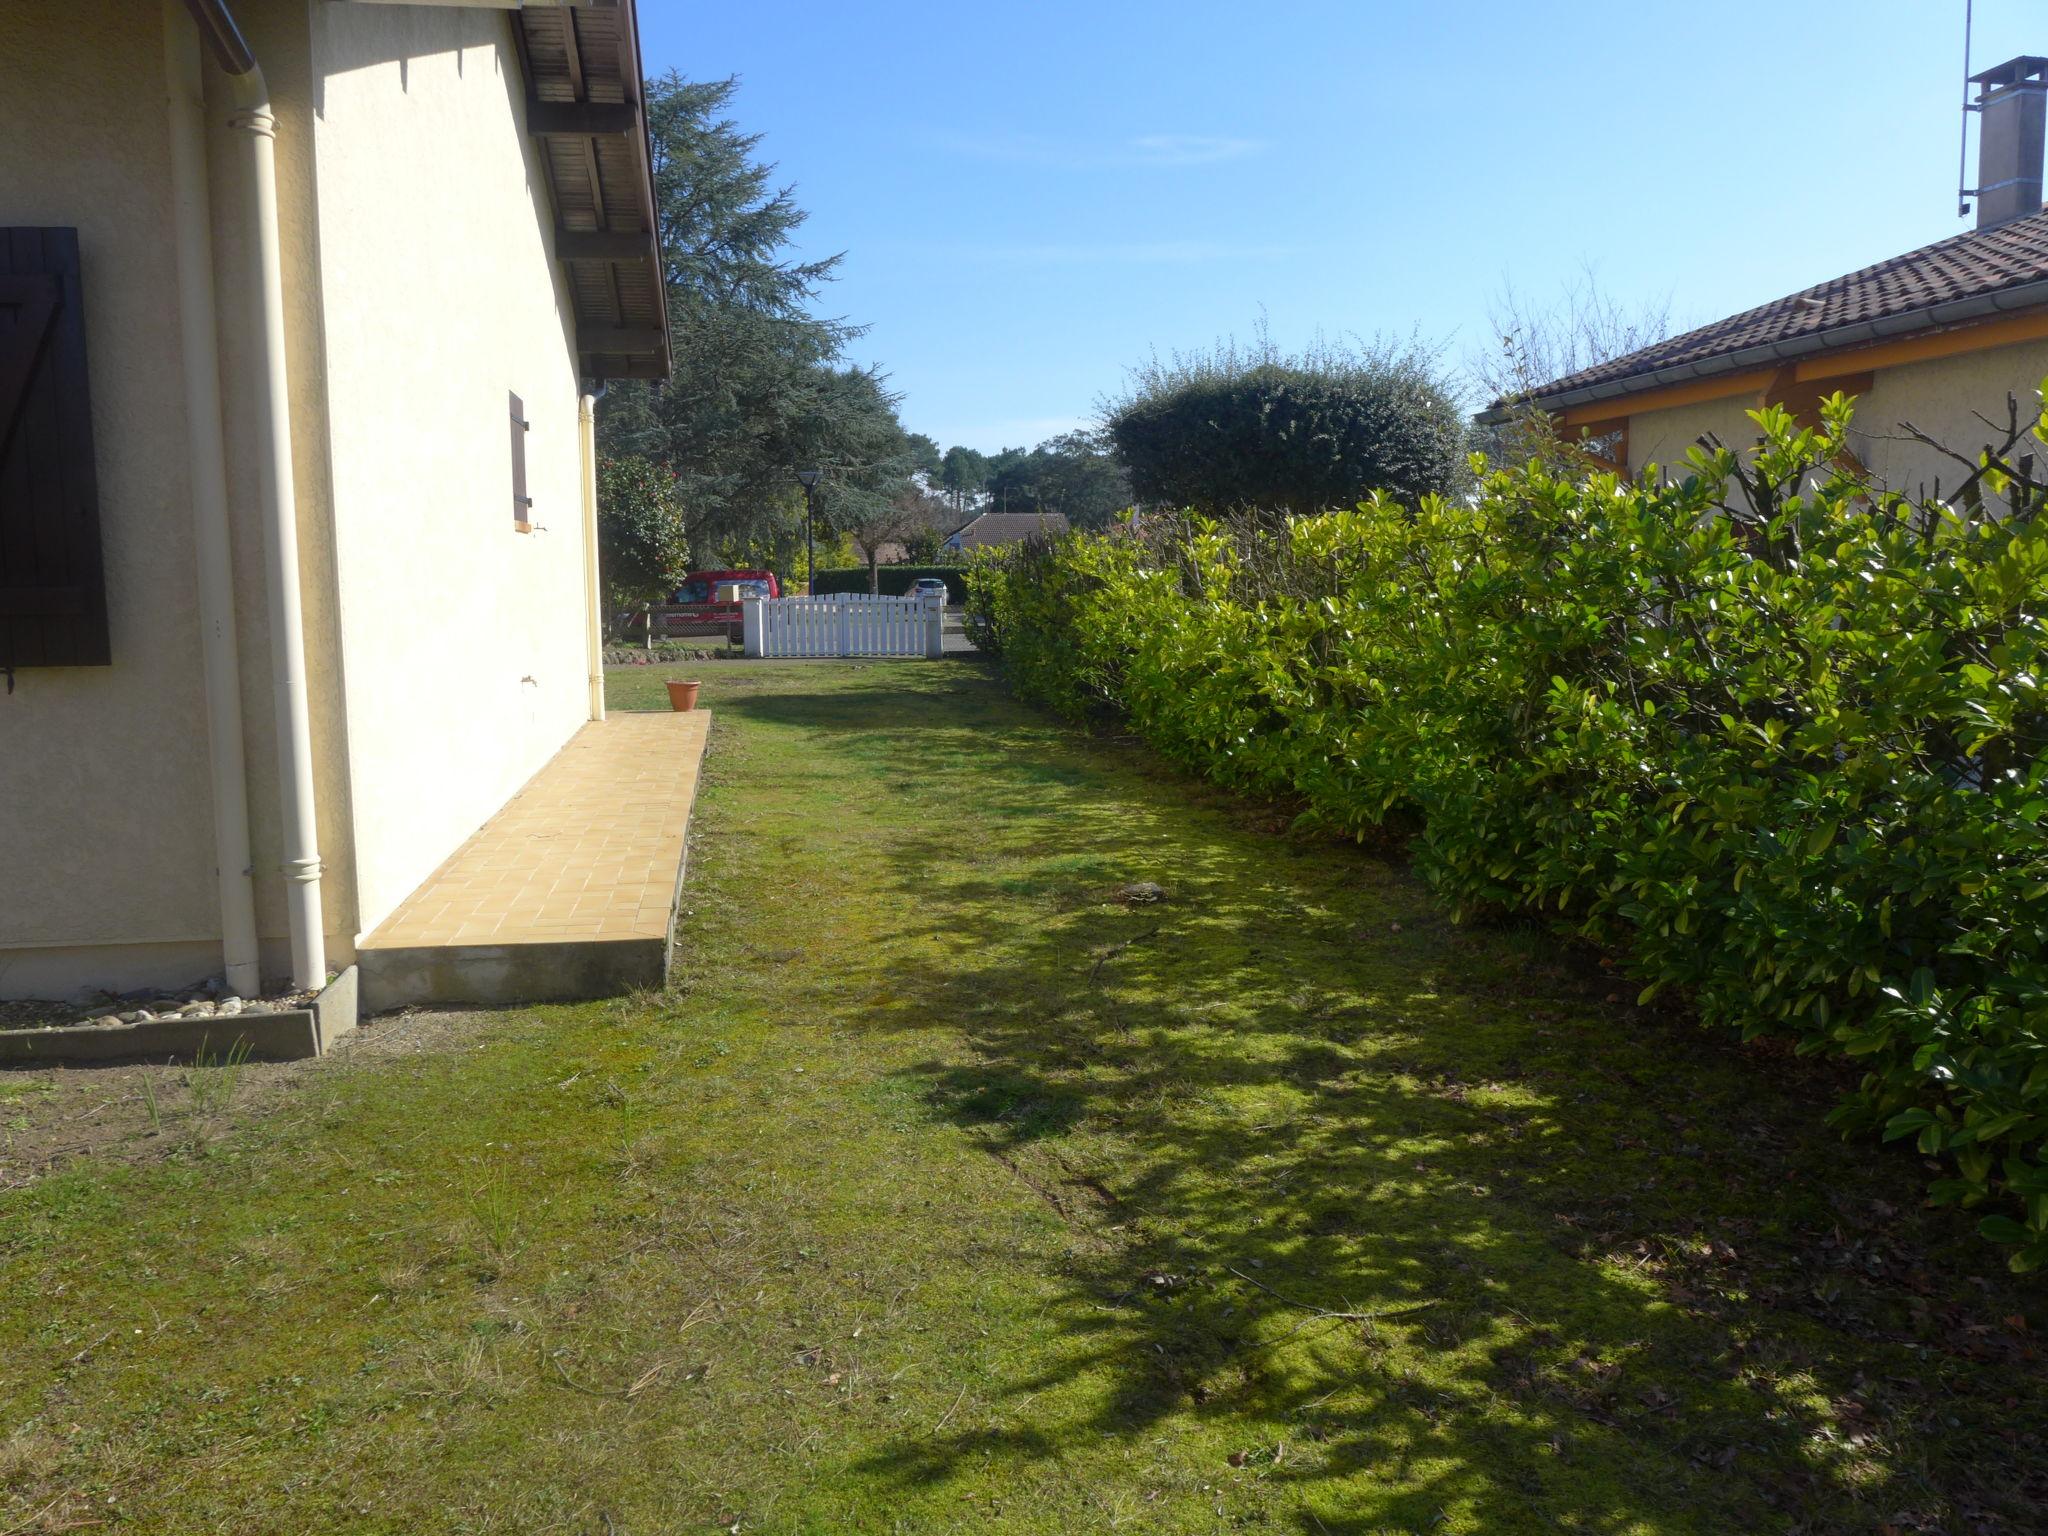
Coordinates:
(588,850)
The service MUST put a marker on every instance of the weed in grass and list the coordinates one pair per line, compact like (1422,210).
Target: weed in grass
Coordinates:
(493,1229)
(210,1080)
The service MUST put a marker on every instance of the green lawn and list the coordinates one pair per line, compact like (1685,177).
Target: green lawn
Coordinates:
(948,1191)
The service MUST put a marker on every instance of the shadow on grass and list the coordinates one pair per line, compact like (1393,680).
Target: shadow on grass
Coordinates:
(1427,1216)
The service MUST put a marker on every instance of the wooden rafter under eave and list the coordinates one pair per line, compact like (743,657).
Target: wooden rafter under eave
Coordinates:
(561,112)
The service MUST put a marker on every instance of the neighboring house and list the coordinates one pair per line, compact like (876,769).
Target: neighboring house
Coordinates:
(302,311)
(1930,338)
(993,528)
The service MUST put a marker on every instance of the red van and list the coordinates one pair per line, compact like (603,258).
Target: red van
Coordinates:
(710,600)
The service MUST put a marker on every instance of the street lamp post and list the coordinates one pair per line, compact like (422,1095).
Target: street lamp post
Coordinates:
(808,479)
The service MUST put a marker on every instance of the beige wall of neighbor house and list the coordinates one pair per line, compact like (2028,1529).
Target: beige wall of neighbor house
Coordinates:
(463,639)
(1664,438)
(1943,397)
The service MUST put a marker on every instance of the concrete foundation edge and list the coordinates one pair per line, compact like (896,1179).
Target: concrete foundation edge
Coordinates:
(293,1034)
(499,974)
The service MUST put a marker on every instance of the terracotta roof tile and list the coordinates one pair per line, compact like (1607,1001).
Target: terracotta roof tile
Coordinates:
(1008,528)
(1979,262)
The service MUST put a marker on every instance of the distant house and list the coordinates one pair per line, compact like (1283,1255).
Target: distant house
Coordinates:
(303,310)
(994,528)
(1929,338)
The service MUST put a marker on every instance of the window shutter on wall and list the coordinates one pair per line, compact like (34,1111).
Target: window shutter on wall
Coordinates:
(53,599)
(522,504)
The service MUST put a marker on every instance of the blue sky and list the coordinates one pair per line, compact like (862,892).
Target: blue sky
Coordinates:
(1033,197)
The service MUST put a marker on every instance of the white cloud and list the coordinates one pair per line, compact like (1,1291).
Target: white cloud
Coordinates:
(1191,149)
(1113,252)
(1146,149)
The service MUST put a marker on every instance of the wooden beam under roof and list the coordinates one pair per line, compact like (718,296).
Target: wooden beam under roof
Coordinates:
(620,338)
(582,72)
(601,244)
(581,119)
(618,367)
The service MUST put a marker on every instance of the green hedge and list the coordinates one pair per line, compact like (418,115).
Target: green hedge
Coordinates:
(894,580)
(1779,753)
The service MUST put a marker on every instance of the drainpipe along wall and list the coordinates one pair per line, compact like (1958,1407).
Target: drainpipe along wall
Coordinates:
(209,479)
(256,128)
(586,431)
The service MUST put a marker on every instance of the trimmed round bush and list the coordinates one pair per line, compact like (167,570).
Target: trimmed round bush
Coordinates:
(1231,434)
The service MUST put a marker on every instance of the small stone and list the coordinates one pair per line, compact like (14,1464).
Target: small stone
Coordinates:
(106,1021)
(229,1005)
(136,1016)
(199,1008)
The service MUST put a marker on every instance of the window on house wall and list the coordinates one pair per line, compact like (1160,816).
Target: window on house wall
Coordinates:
(522,504)
(53,598)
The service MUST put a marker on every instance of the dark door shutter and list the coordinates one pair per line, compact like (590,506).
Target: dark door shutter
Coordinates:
(53,597)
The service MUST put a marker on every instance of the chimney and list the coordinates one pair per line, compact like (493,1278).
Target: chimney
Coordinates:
(2012,107)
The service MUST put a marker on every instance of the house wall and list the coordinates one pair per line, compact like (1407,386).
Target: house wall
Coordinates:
(462,639)
(1664,438)
(106,836)
(105,832)
(1942,397)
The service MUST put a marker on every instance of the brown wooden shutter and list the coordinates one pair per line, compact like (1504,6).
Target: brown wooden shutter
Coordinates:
(53,597)
(522,504)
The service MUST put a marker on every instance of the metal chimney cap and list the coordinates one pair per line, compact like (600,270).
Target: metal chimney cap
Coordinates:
(2013,71)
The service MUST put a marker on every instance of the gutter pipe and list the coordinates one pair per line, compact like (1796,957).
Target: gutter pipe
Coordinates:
(1934,317)
(207,455)
(256,127)
(593,635)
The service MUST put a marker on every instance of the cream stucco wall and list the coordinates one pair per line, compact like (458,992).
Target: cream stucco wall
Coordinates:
(444,652)
(104,828)
(1664,438)
(1943,397)
(106,837)
(462,639)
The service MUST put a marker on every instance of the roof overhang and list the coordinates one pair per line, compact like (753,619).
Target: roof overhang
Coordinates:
(585,111)
(1961,316)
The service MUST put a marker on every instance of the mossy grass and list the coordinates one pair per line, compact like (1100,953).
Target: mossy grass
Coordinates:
(956,1186)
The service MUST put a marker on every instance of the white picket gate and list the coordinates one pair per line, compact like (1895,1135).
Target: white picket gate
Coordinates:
(845,624)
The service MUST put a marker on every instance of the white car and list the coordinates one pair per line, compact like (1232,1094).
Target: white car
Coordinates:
(928,586)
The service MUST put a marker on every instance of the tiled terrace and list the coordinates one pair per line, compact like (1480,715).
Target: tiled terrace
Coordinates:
(569,891)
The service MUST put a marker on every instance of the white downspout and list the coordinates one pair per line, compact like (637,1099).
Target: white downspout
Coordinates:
(586,436)
(192,218)
(254,124)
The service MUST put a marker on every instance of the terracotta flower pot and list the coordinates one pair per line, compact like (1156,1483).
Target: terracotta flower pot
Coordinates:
(682,696)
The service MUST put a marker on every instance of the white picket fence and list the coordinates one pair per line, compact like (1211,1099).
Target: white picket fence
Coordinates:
(845,624)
